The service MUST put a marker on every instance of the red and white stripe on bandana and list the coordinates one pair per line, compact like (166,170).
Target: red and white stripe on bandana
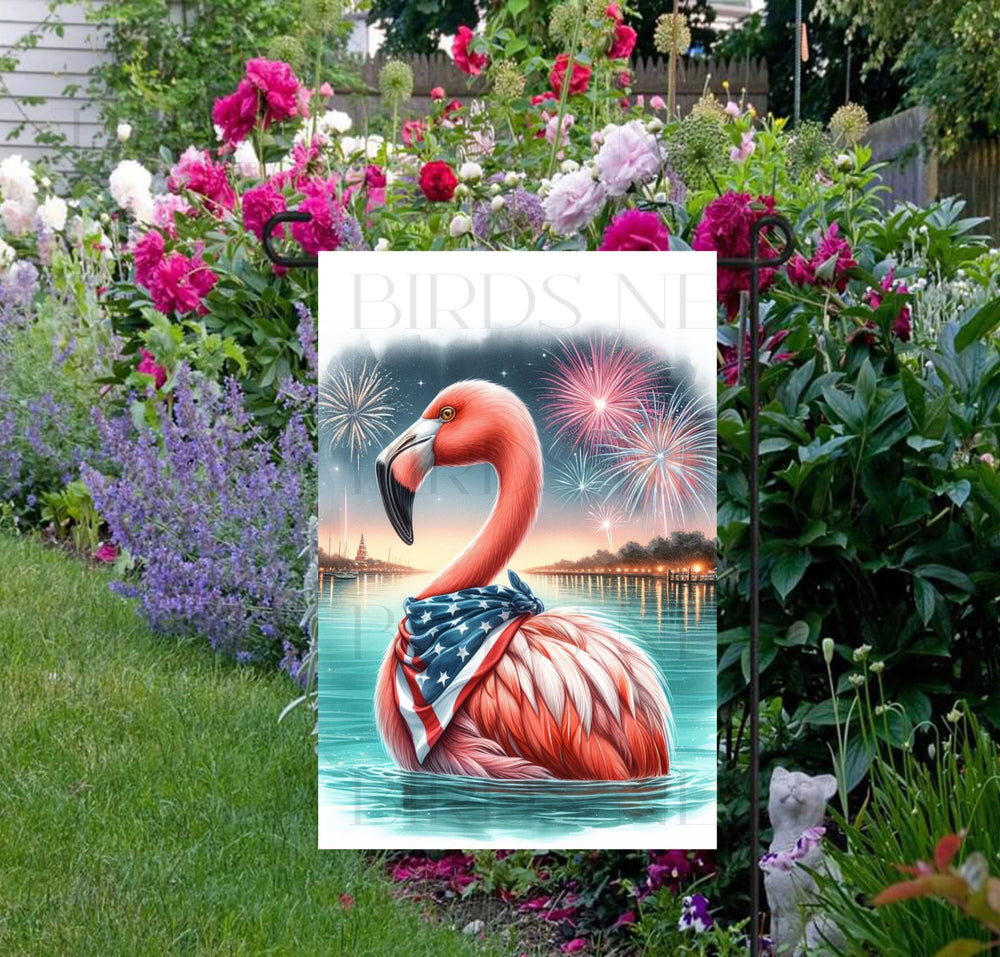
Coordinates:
(446,645)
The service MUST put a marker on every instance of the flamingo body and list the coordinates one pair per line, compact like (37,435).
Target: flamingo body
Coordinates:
(568,698)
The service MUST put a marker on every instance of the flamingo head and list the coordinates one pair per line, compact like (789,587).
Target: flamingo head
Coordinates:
(467,423)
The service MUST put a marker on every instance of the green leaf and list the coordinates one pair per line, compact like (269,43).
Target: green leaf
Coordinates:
(787,571)
(920,442)
(797,634)
(865,386)
(951,576)
(926,597)
(978,325)
(963,947)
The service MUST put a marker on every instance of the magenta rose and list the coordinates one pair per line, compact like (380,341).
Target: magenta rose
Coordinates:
(438,181)
(465,59)
(636,229)
(579,79)
(623,43)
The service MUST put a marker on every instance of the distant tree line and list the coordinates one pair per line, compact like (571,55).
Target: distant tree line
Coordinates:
(681,549)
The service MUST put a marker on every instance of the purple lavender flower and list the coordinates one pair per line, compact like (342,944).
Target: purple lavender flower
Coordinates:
(214,516)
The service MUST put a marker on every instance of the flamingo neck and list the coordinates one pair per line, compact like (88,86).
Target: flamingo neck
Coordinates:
(519,475)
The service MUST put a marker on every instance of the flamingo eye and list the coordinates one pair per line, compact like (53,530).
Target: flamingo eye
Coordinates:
(447,413)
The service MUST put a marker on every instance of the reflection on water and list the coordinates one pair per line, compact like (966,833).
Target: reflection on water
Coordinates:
(361,791)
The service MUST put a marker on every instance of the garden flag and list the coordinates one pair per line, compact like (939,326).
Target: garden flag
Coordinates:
(517,550)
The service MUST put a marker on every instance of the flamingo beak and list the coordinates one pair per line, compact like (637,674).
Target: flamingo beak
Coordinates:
(399,470)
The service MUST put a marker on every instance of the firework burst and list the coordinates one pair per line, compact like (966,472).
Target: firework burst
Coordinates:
(606,518)
(579,479)
(354,407)
(594,393)
(665,459)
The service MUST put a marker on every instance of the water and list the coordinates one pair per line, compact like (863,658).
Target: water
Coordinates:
(365,801)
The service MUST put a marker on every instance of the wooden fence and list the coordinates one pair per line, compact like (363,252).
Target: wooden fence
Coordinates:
(650,78)
(916,175)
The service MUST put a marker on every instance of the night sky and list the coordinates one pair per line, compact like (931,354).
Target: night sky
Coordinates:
(452,504)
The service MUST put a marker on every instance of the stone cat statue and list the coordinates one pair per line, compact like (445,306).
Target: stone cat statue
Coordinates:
(796,806)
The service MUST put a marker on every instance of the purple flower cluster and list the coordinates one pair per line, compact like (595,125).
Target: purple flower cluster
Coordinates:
(214,515)
(522,213)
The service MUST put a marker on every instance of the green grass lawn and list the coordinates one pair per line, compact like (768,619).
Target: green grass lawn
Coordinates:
(149,802)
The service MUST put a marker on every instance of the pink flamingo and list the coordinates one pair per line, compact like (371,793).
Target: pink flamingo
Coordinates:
(567,697)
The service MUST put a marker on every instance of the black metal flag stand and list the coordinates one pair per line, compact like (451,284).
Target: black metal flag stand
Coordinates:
(754,264)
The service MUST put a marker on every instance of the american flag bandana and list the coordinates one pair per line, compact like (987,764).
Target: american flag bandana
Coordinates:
(446,645)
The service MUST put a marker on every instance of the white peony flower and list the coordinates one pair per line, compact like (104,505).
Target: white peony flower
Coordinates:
(470,172)
(573,201)
(7,257)
(245,160)
(334,121)
(53,212)
(497,203)
(382,245)
(460,225)
(569,166)
(129,183)
(17,181)
(124,132)
(510,179)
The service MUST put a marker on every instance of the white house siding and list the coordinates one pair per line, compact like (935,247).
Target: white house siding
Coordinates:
(57,62)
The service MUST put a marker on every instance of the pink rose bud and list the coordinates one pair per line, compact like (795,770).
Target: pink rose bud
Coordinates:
(437,93)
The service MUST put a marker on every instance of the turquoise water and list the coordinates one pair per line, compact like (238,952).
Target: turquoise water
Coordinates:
(365,801)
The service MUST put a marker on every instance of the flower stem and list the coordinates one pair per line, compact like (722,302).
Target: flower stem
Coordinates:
(564,93)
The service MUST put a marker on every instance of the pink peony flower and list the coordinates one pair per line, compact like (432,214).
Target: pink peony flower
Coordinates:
(148,366)
(574,201)
(635,229)
(106,553)
(613,12)
(657,102)
(725,227)
(551,127)
(196,172)
(540,98)
(374,177)
(413,132)
(623,43)
(437,93)
(742,152)
(465,59)
(629,156)
(259,205)
(269,93)
(165,207)
(180,284)
(148,254)
(579,79)
(574,946)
